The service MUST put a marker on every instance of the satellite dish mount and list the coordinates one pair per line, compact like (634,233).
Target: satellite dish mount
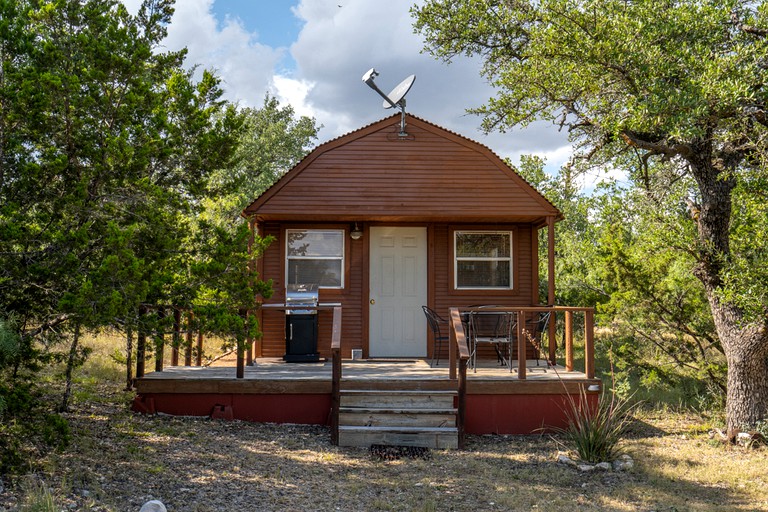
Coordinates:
(395,99)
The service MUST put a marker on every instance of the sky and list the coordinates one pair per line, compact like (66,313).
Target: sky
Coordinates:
(312,55)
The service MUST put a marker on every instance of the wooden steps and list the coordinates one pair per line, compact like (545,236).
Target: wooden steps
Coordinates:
(398,417)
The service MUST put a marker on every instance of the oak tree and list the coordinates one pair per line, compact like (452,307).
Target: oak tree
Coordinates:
(683,82)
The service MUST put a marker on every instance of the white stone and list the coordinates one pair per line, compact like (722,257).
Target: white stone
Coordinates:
(586,468)
(605,466)
(153,506)
(564,459)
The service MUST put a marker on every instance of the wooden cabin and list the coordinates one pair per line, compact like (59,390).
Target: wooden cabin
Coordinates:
(385,222)
(415,199)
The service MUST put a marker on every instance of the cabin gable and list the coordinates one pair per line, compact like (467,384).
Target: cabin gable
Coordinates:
(432,175)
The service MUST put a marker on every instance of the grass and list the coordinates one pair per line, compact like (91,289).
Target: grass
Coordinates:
(122,459)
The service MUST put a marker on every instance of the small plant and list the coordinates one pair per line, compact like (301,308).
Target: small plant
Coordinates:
(595,431)
(38,498)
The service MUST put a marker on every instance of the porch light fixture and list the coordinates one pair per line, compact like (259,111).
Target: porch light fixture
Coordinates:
(356,233)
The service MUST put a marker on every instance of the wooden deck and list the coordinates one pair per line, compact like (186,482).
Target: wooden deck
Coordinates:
(272,375)
(497,401)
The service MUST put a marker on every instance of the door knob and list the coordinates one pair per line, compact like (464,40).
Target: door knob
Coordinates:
(373,301)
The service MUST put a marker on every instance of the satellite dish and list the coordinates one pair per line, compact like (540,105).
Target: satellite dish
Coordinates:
(398,93)
(394,99)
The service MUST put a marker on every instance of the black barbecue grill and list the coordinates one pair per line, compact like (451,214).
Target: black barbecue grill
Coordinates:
(301,324)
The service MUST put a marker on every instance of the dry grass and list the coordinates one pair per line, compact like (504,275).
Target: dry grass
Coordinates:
(119,460)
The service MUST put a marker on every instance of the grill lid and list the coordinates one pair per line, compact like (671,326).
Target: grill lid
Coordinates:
(301,295)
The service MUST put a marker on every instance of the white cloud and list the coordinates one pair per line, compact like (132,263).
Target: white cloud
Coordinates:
(335,46)
(338,44)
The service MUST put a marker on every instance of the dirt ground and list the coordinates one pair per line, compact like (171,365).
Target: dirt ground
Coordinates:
(119,460)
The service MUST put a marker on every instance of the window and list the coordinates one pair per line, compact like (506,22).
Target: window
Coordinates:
(483,260)
(315,256)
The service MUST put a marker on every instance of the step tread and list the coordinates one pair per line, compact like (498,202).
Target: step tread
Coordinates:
(393,410)
(390,392)
(404,430)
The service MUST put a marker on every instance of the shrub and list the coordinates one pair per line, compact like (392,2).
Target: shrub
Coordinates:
(594,432)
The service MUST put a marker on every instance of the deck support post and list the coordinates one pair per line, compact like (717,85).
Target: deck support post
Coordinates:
(335,375)
(589,343)
(552,338)
(459,352)
(141,342)
(160,339)
(551,287)
(199,355)
(551,260)
(522,357)
(128,356)
(461,412)
(249,317)
(569,341)
(176,336)
(241,348)
(188,345)
(452,349)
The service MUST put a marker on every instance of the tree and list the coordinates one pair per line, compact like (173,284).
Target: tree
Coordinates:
(681,82)
(107,149)
(273,140)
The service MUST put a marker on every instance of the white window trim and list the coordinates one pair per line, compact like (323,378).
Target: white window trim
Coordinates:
(456,259)
(342,257)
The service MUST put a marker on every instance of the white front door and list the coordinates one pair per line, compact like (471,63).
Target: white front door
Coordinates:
(398,288)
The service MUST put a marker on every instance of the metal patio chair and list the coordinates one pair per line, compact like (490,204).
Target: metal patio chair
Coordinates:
(434,320)
(534,327)
(496,328)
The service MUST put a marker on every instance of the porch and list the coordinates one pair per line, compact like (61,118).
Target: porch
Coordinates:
(490,399)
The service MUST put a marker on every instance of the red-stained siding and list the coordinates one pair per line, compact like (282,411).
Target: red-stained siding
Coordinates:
(372,174)
(353,298)
(434,178)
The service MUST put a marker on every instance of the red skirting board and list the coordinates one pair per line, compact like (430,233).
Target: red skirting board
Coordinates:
(312,409)
(516,414)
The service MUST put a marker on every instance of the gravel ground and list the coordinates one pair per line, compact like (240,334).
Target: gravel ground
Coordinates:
(118,461)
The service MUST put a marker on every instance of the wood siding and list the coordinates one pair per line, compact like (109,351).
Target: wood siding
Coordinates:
(273,321)
(354,298)
(434,178)
(433,175)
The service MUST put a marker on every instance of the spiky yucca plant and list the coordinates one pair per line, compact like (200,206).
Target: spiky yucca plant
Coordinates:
(594,432)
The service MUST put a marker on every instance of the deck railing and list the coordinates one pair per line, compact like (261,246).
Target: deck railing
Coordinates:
(524,313)
(458,352)
(335,374)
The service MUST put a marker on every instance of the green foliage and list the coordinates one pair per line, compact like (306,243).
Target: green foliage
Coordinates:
(674,95)
(27,430)
(273,140)
(38,498)
(110,152)
(595,432)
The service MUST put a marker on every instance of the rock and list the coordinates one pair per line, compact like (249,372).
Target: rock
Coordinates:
(564,459)
(586,468)
(605,466)
(153,506)
(624,463)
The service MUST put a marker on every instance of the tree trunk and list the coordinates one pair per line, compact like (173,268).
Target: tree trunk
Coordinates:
(747,398)
(70,367)
(745,344)
(746,351)
(129,358)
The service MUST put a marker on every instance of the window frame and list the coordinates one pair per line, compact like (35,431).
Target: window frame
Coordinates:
(342,257)
(455,232)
